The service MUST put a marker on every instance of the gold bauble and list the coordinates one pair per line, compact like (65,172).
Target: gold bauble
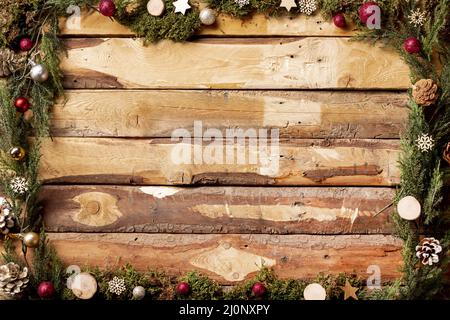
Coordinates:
(31,239)
(17,153)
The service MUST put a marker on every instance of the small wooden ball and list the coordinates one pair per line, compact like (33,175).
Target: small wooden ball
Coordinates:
(156,7)
(409,208)
(314,291)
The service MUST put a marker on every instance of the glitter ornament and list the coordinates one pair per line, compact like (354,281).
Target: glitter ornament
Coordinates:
(207,16)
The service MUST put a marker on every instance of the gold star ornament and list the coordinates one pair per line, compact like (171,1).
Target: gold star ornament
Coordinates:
(349,291)
(288,4)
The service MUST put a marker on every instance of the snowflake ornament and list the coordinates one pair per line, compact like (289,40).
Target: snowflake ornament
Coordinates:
(417,18)
(425,142)
(242,3)
(307,6)
(19,185)
(117,286)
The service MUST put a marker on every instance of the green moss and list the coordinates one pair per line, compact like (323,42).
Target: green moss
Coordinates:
(202,287)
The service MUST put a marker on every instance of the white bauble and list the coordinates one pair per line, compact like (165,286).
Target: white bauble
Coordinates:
(138,293)
(207,16)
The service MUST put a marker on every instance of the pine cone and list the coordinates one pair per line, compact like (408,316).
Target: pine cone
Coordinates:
(428,251)
(13,279)
(10,62)
(446,154)
(6,218)
(425,92)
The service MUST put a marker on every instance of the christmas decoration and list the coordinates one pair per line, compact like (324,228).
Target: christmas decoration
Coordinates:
(183,289)
(339,20)
(17,153)
(242,3)
(181,6)
(13,279)
(425,142)
(207,16)
(349,291)
(19,185)
(428,251)
(156,7)
(31,239)
(417,17)
(425,92)
(314,291)
(288,4)
(7,220)
(307,6)
(26,44)
(10,62)
(107,8)
(365,11)
(412,45)
(446,153)
(46,290)
(138,293)
(28,115)
(71,271)
(259,289)
(84,286)
(22,104)
(117,286)
(409,208)
(38,72)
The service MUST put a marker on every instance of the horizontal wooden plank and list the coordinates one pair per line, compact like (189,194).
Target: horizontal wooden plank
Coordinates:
(217,209)
(231,258)
(252,63)
(261,162)
(303,114)
(94,24)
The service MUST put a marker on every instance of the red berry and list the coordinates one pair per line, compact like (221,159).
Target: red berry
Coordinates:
(46,289)
(365,12)
(26,44)
(183,288)
(412,45)
(339,20)
(259,289)
(22,104)
(107,8)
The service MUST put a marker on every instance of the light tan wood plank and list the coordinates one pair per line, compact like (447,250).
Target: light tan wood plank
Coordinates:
(233,258)
(94,24)
(217,209)
(289,63)
(130,113)
(154,161)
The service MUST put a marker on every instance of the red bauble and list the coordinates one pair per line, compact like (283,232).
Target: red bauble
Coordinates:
(339,20)
(364,12)
(107,8)
(22,104)
(259,289)
(46,290)
(26,44)
(183,288)
(412,45)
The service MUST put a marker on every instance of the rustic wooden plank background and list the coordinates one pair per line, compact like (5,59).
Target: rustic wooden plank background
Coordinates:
(113,195)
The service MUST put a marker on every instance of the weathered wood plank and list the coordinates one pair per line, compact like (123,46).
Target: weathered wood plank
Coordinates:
(94,24)
(217,209)
(304,114)
(233,258)
(252,63)
(158,162)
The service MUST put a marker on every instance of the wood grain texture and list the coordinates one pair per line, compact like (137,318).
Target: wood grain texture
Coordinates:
(94,24)
(252,63)
(154,162)
(137,113)
(231,258)
(217,209)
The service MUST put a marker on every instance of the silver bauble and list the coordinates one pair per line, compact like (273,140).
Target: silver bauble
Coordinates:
(207,16)
(38,72)
(138,293)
